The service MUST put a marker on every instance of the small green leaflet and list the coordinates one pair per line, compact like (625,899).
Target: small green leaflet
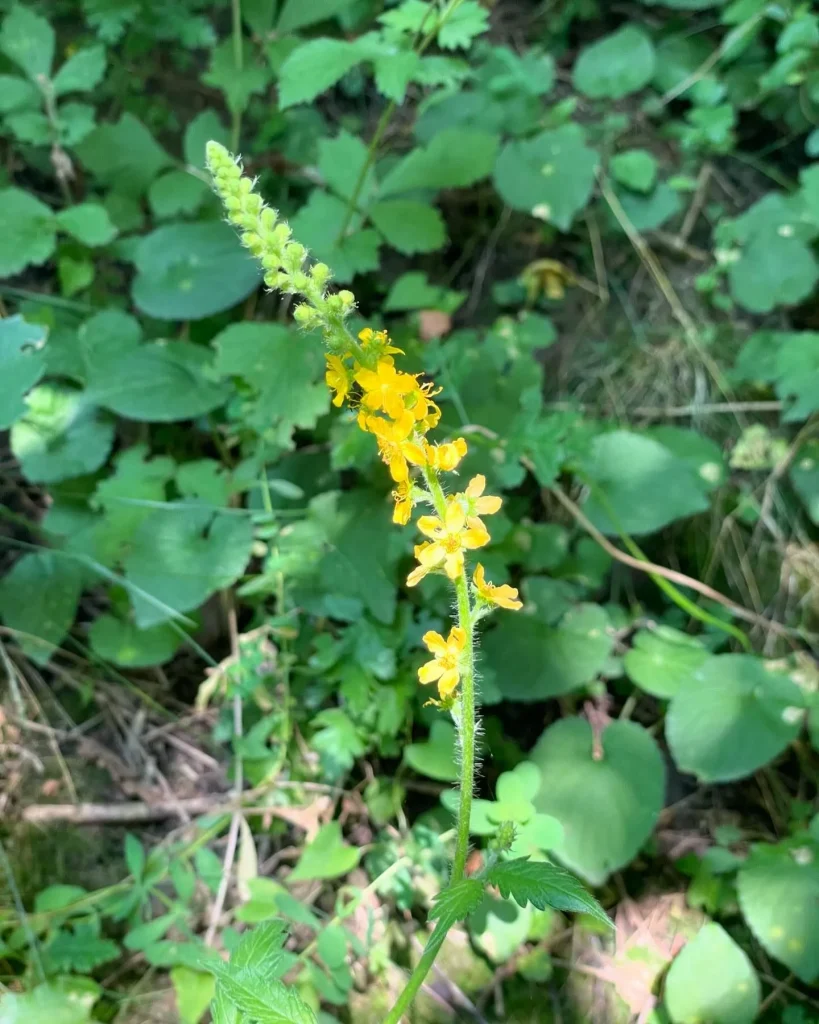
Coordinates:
(544,885)
(260,947)
(456,902)
(264,1000)
(82,950)
(22,363)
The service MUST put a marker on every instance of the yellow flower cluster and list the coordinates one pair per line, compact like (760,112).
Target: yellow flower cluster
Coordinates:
(397,408)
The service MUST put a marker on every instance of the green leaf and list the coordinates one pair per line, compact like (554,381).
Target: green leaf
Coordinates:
(337,741)
(194,991)
(394,72)
(263,999)
(532,661)
(318,225)
(544,885)
(778,888)
(175,193)
(609,804)
(662,660)
(28,231)
(205,126)
(61,435)
(772,270)
(22,364)
(157,382)
(705,456)
(191,271)
(89,223)
(260,947)
(135,856)
(296,15)
(500,927)
(17,93)
(282,370)
(39,598)
(238,84)
(123,155)
(81,72)
(408,225)
(328,856)
(30,126)
(712,980)
(341,161)
(82,950)
(455,158)
(181,555)
(639,485)
(616,65)
(122,643)
(456,902)
(732,716)
(146,934)
(634,168)
(464,23)
(435,757)
(28,40)
(74,275)
(314,68)
(797,375)
(551,175)
(414,291)
(803,475)
(60,1001)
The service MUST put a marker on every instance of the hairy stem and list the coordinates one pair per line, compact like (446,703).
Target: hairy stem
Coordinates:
(416,980)
(238,60)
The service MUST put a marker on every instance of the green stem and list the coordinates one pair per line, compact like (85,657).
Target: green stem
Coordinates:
(238,60)
(422,969)
(467,732)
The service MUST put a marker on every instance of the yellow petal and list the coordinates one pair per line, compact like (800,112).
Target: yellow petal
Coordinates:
(488,506)
(457,638)
(434,642)
(474,538)
(453,564)
(506,597)
(432,555)
(455,517)
(367,379)
(479,577)
(448,683)
(417,574)
(414,453)
(430,672)
(399,470)
(430,526)
(476,486)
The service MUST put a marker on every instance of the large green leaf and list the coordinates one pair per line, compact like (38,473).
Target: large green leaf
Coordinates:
(89,223)
(408,225)
(314,67)
(39,598)
(435,757)
(28,234)
(712,980)
(551,175)
(532,661)
(123,155)
(295,14)
(190,271)
(662,660)
(328,856)
(639,485)
(61,435)
(772,270)
(60,1001)
(544,885)
(157,382)
(318,225)
(455,158)
(81,72)
(732,716)
(194,991)
(608,804)
(779,895)
(28,39)
(616,65)
(180,555)
(122,643)
(22,363)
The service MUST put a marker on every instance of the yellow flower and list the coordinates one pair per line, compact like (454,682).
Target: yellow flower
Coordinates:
(477,503)
(394,446)
(450,538)
(385,388)
(337,379)
(377,339)
(445,665)
(402,495)
(445,457)
(503,596)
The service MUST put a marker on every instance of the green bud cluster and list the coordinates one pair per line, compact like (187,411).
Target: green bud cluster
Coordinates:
(284,261)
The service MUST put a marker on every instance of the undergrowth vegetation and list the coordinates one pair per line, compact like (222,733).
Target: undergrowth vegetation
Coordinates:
(410,483)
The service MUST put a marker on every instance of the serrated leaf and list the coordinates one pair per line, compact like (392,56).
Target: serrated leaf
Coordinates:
(453,159)
(205,126)
(616,65)
(124,155)
(59,1001)
(82,950)
(144,935)
(544,885)
(39,598)
(89,223)
(238,83)
(340,161)
(22,363)
(28,39)
(394,72)
(81,72)
(466,21)
(456,902)
(28,231)
(261,946)
(314,68)
(318,225)
(551,175)
(265,1000)
(409,226)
